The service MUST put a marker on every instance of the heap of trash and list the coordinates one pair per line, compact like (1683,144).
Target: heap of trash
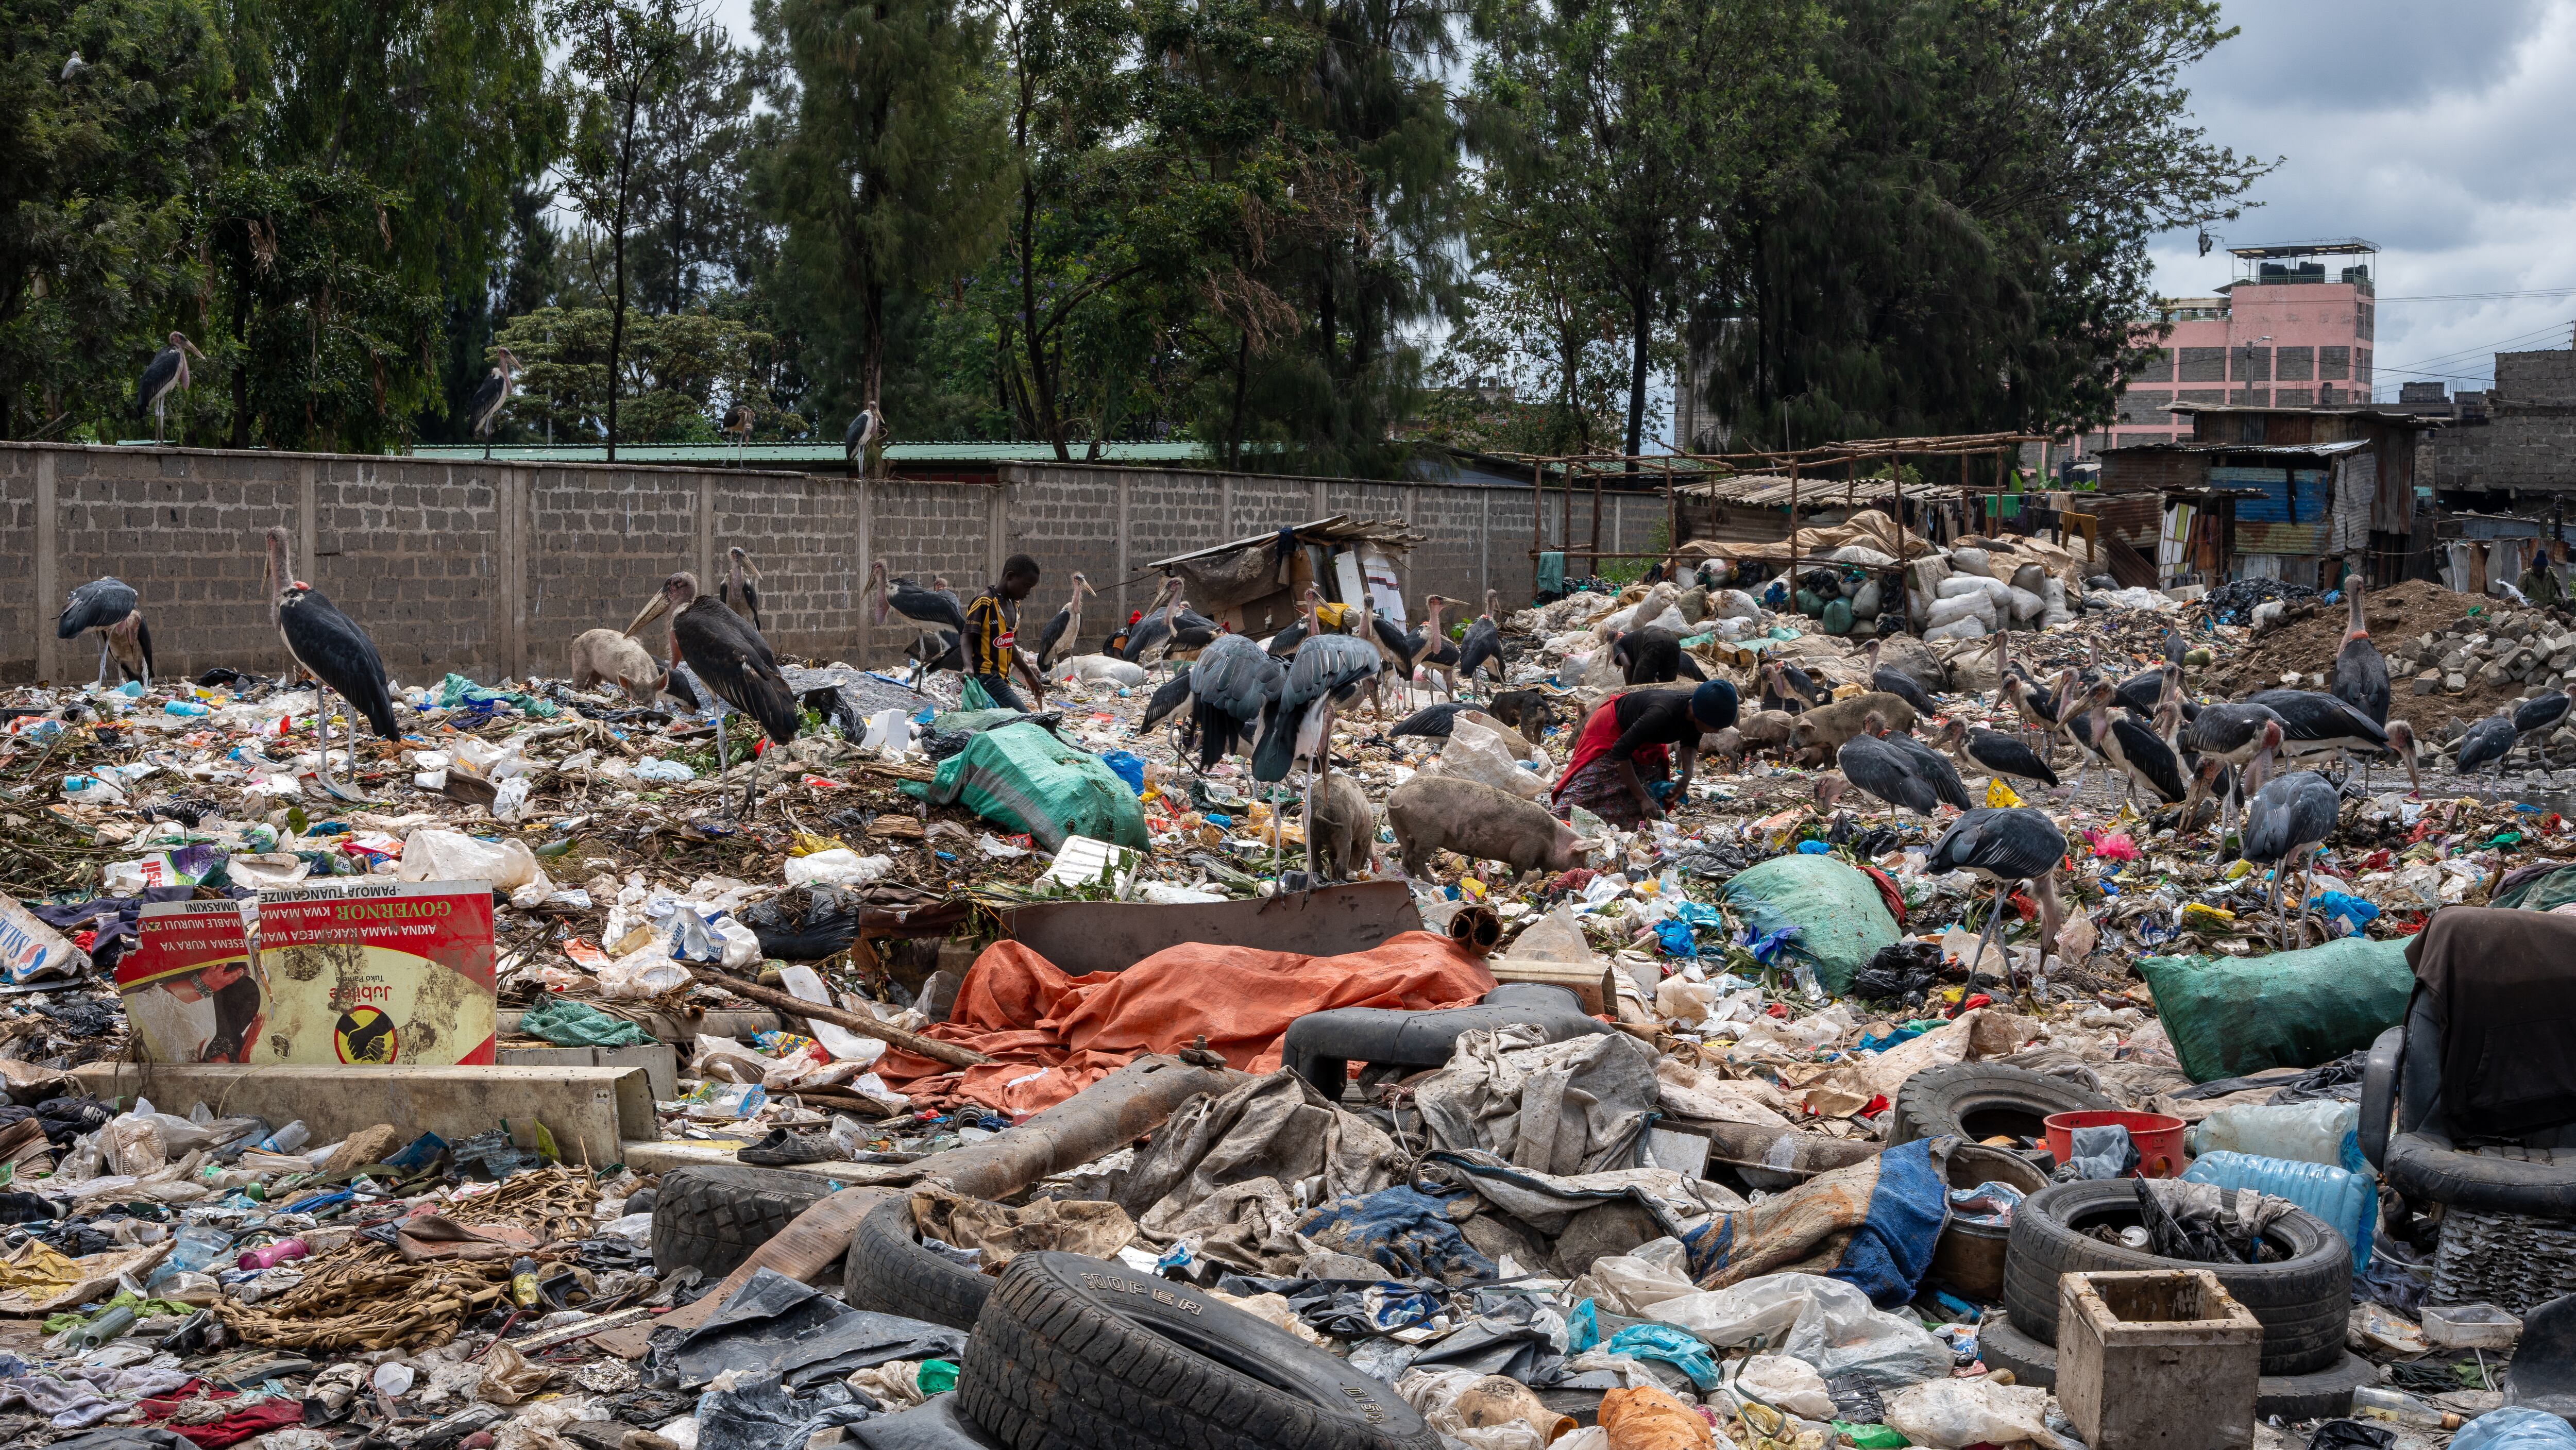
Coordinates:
(1022,1077)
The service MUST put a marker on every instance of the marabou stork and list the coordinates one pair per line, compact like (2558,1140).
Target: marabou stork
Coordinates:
(1283,645)
(2487,743)
(72,68)
(726,654)
(1398,652)
(1881,770)
(2538,716)
(1927,764)
(2227,738)
(1231,682)
(1178,630)
(2290,817)
(738,426)
(1435,721)
(2360,677)
(168,370)
(741,589)
(2008,846)
(2145,692)
(1995,752)
(1440,654)
(111,607)
(2174,650)
(332,649)
(865,428)
(1483,645)
(483,410)
(2140,754)
(936,618)
(2036,708)
(1066,627)
(1898,683)
(1786,686)
(1169,696)
(2320,725)
(1298,724)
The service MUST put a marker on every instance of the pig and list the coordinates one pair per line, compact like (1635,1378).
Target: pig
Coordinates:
(1767,729)
(1345,828)
(1827,728)
(1433,812)
(605,654)
(1725,745)
(1528,711)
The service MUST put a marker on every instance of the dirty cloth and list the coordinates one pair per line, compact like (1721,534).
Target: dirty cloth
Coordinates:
(1565,1108)
(2498,981)
(2207,1224)
(2097,1153)
(775,1325)
(1052,1035)
(255,1417)
(1003,1233)
(567,1023)
(1825,1322)
(1547,1202)
(1403,1230)
(1275,1129)
(1872,1225)
(766,1414)
(77,1396)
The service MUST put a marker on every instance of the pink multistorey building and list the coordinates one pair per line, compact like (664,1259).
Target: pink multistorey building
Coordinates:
(2293,330)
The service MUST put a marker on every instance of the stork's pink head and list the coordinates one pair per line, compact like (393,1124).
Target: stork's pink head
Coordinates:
(877,590)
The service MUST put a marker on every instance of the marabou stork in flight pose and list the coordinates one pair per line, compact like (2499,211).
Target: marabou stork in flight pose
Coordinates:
(111,607)
(729,657)
(2007,846)
(483,411)
(168,371)
(332,649)
(1483,645)
(741,589)
(1066,627)
(935,617)
(2360,677)
(2290,817)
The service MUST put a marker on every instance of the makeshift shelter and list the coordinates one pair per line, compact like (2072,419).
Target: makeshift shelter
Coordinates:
(1253,584)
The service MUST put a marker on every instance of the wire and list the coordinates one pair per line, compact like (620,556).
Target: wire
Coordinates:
(2483,296)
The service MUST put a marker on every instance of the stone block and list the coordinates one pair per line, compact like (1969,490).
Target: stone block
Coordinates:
(2455,682)
(2428,682)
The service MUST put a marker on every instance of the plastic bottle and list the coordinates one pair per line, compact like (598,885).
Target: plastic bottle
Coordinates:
(2344,1199)
(271,1255)
(523,1282)
(198,1246)
(287,1139)
(2377,1402)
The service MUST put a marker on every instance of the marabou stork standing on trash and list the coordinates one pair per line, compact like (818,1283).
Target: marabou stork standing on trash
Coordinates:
(2174,650)
(1298,725)
(866,427)
(1440,654)
(483,410)
(1898,683)
(111,607)
(2008,846)
(1171,626)
(2226,740)
(2360,676)
(730,658)
(2036,709)
(938,623)
(2145,692)
(1994,752)
(1066,627)
(2290,817)
(1927,764)
(1399,651)
(167,372)
(1283,645)
(2487,743)
(330,647)
(1169,696)
(741,588)
(2538,716)
(2140,754)
(1881,770)
(1483,645)
(2314,724)
(1231,682)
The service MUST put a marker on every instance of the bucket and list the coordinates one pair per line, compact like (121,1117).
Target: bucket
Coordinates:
(1969,1257)
(2157,1136)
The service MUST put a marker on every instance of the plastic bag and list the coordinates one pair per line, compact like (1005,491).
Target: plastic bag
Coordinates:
(2515,1427)
(1787,1384)
(1826,1322)
(1650,1419)
(2229,1017)
(1948,1414)
(1478,754)
(432,854)
(804,925)
(839,866)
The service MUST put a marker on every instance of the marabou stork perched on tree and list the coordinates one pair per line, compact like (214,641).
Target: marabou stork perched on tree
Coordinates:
(2290,817)
(741,589)
(2538,716)
(2007,846)
(2224,739)
(1483,645)
(483,410)
(2487,743)
(330,647)
(865,428)
(111,607)
(1066,627)
(936,619)
(167,371)
(1231,683)
(1994,752)
(730,658)
(2360,677)
(1898,683)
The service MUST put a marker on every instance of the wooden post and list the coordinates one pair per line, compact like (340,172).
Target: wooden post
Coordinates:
(1596,521)
(1538,519)
(1793,531)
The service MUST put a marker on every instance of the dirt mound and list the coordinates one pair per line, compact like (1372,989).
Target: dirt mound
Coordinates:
(2395,616)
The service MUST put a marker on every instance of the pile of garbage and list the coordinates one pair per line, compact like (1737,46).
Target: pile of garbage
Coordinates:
(1734,1124)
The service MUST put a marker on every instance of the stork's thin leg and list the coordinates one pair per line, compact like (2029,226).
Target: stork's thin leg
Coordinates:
(1994,920)
(102,661)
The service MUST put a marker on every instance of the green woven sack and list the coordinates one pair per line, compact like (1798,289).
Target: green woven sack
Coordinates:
(1025,779)
(2229,1016)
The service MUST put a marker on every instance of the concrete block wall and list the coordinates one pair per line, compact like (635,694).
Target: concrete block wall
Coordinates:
(490,568)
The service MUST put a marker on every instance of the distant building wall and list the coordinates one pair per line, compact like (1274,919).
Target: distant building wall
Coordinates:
(2528,442)
(2295,345)
(490,569)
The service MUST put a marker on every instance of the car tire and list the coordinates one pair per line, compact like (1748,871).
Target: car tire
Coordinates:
(2316,1395)
(2304,1301)
(888,1271)
(1076,1353)
(710,1218)
(1974,1101)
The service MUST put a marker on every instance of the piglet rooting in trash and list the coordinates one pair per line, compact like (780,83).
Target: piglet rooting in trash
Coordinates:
(1430,813)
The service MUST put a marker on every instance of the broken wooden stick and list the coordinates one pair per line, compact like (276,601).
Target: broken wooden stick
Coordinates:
(858,1022)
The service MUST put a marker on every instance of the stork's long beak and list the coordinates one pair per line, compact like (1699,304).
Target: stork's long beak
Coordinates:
(1087,589)
(654,608)
(191,347)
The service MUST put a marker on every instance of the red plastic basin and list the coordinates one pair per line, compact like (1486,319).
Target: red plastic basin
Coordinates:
(2158,1137)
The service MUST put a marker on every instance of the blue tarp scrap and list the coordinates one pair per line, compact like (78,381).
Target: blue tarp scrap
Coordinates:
(1891,1207)
(1402,1230)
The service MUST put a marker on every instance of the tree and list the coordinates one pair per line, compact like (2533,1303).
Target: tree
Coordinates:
(1969,254)
(95,197)
(692,215)
(891,175)
(623,58)
(1629,130)
(681,372)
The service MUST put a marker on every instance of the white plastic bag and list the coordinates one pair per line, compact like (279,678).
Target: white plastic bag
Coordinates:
(839,866)
(1106,668)
(432,854)
(1955,629)
(1825,1322)
(1974,606)
(1478,754)
(1947,1413)
(1790,1384)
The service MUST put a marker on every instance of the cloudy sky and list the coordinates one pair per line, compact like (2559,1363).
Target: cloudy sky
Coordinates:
(2437,130)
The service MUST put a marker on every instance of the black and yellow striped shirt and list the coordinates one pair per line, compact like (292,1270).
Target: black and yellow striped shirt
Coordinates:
(990,639)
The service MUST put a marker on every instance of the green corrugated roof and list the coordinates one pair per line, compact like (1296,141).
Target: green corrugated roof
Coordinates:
(820,456)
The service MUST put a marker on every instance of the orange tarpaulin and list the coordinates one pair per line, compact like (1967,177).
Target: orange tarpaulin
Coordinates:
(1050,1035)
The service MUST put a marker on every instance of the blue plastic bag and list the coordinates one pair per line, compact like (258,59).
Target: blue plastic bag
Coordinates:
(2515,1427)
(1679,1348)
(2349,913)
(1129,768)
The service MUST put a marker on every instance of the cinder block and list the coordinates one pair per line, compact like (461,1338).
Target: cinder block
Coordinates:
(2161,1359)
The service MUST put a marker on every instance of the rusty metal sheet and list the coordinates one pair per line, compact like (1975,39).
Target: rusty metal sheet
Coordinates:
(1111,936)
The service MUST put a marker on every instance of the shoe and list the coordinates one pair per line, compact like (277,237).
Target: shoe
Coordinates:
(787,1146)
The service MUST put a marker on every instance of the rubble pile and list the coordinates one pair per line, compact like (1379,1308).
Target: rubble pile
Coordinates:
(1746,1119)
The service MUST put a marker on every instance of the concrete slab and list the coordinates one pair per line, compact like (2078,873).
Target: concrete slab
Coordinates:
(591,1111)
(659,1062)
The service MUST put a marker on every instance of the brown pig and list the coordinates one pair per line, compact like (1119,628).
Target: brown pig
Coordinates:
(1827,728)
(1345,827)
(605,654)
(1434,813)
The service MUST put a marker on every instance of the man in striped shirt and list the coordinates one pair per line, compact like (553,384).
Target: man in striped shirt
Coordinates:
(992,627)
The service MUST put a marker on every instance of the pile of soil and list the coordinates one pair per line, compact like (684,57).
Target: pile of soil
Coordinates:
(2395,616)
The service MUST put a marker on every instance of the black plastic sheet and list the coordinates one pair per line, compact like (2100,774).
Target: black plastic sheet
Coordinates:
(774,1325)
